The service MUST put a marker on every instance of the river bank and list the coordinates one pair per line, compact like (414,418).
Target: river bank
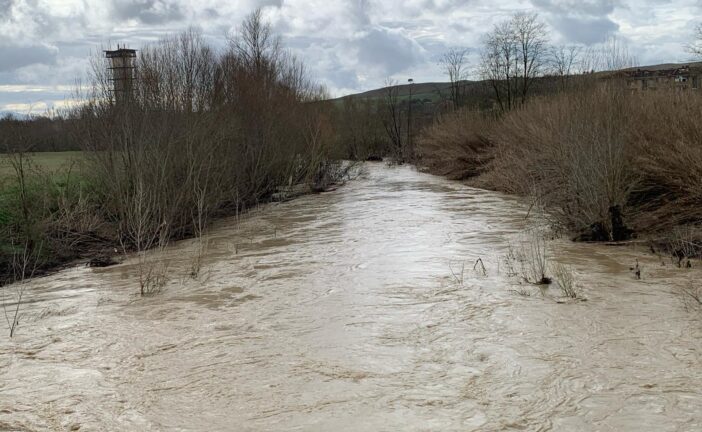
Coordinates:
(343,310)
(608,164)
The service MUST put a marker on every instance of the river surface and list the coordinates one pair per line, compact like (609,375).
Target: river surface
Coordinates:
(360,310)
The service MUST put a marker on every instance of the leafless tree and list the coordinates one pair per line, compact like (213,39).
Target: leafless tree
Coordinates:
(392,119)
(695,48)
(360,129)
(255,43)
(610,55)
(513,57)
(205,132)
(454,64)
(616,55)
(564,60)
(498,64)
(24,265)
(531,36)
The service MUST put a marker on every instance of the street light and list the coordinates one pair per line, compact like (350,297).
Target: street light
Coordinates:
(409,116)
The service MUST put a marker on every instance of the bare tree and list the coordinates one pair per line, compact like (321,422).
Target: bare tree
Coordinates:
(392,119)
(616,55)
(564,59)
(454,64)
(513,57)
(498,64)
(531,37)
(361,130)
(256,44)
(610,55)
(695,48)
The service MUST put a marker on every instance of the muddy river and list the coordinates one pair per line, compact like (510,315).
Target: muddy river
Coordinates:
(360,310)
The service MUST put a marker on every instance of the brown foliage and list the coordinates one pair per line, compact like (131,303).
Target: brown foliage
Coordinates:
(202,133)
(457,144)
(599,158)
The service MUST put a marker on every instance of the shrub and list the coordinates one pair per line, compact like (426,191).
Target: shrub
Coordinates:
(457,144)
(573,151)
(566,281)
(668,138)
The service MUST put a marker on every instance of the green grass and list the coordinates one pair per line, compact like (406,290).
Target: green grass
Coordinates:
(40,167)
(46,162)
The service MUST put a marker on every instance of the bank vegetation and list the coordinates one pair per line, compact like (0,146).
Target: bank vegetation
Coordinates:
(606,162)
(204,133)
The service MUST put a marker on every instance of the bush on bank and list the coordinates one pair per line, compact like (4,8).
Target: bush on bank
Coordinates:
(606,162)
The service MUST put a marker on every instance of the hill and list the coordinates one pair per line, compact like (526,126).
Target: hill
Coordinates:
(430,90)
(476,90)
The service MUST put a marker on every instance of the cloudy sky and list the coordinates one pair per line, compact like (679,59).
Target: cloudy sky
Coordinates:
(350,45)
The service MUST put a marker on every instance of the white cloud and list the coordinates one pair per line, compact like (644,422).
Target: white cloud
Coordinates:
(350,45)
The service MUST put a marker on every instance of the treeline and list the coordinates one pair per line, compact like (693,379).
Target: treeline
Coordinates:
(385,125)
(42,134)
(202,133)
(517,62)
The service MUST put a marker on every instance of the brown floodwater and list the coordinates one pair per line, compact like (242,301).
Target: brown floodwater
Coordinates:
(360,310)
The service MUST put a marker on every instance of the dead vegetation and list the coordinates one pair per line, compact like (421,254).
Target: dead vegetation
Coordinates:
(457,144)
(606,163)
(24,266)
(565,278)
(528,259)
(572,153)
(202,133)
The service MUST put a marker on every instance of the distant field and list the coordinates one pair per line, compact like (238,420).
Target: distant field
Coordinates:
(47,162)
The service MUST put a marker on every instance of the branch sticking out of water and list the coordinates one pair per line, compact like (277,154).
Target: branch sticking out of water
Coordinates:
(479,266)
(24,263)
(566,281)
(459,278)
(529,259)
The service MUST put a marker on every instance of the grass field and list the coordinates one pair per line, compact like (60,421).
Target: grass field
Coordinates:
(45,162)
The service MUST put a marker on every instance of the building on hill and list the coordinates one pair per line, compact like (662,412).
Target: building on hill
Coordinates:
(667,76)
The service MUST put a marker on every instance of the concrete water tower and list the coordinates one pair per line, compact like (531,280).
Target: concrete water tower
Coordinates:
(122,70)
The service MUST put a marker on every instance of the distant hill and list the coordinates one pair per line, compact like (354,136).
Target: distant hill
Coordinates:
(434,91)
(429,90)
(664,66)
(428,96)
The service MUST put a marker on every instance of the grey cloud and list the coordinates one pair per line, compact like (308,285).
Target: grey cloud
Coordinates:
(573,7)
(13,57)
(5,8)
(211,13)
(585,30)
(580,21)
(349,44)
(388,50)
(359,10)
(339,77)
(270,3)
(149,11)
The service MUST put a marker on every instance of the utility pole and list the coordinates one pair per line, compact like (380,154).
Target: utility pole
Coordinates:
(409,116)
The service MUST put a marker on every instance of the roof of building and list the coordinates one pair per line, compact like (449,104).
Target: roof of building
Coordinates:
(120,52)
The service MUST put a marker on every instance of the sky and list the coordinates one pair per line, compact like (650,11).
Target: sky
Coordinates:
(349,46)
